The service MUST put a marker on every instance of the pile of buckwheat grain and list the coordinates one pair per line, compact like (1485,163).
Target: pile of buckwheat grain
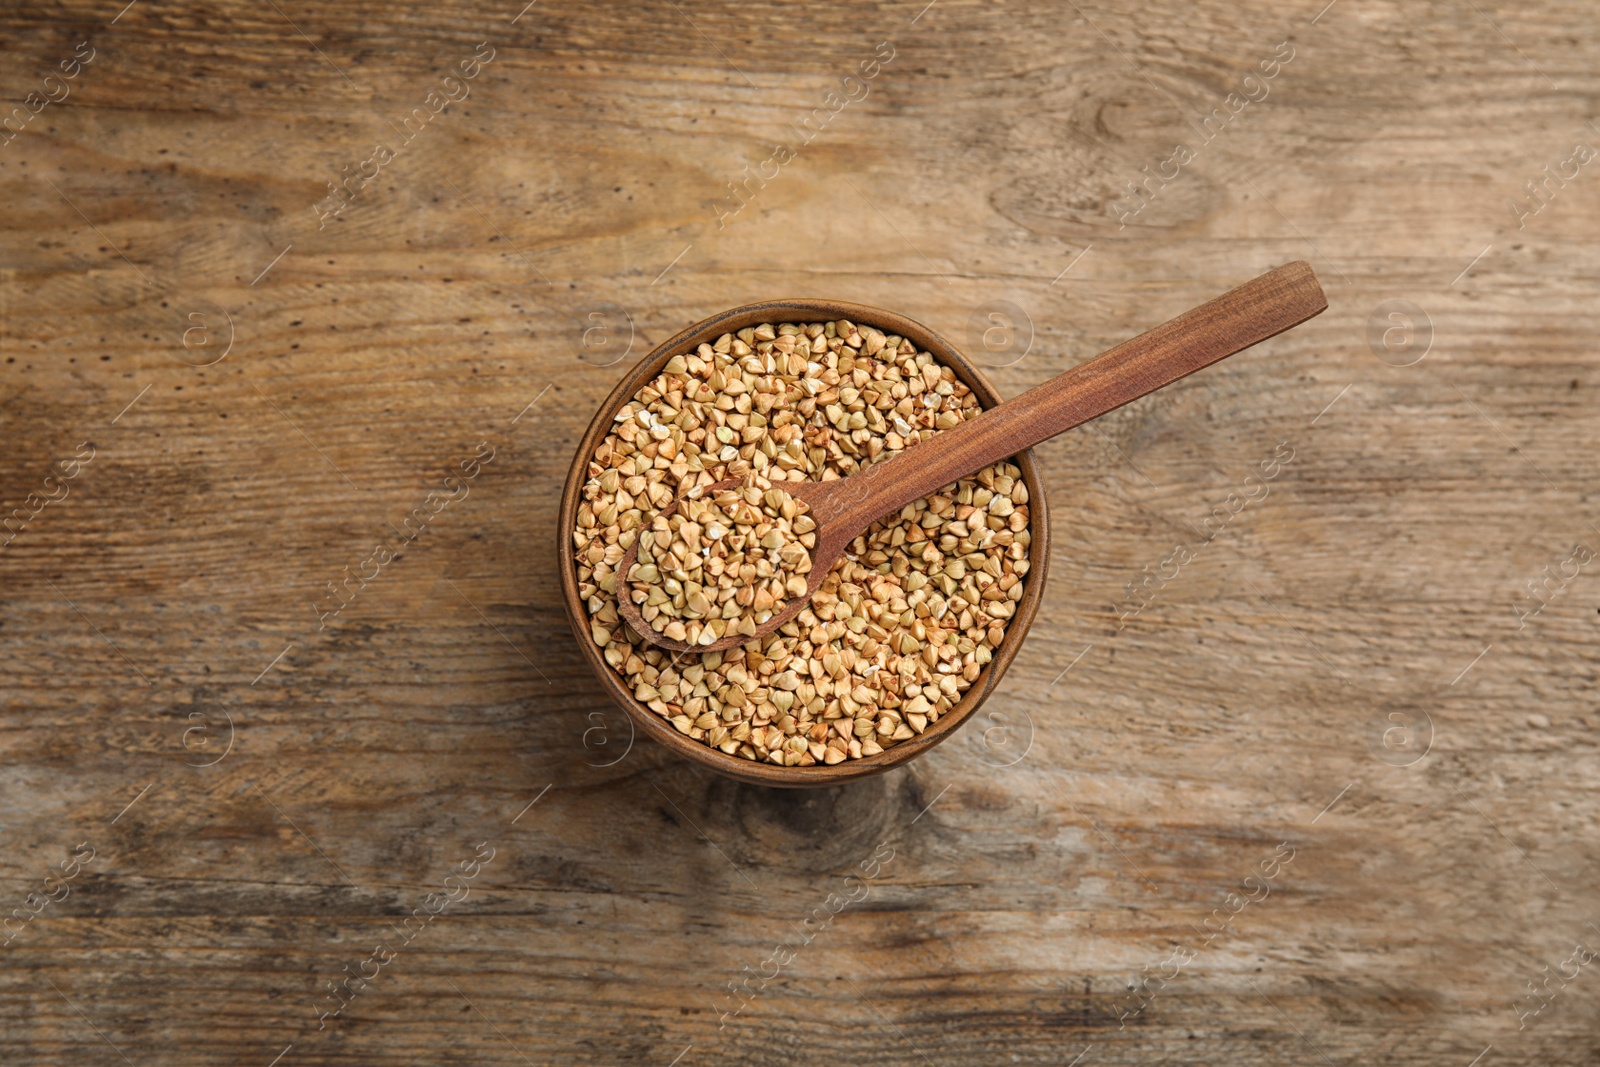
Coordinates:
(904,621)
(723,563)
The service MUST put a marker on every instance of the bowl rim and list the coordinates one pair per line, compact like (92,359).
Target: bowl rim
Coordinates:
(797,310)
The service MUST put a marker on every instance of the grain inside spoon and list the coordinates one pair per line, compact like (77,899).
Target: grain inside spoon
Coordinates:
(839,511)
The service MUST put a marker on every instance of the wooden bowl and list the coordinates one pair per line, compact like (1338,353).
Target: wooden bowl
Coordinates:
(653,725)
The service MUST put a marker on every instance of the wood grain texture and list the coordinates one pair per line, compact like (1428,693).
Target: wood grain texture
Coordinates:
(1171,735)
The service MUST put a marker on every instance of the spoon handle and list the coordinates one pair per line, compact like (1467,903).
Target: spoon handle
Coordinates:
(1259,309)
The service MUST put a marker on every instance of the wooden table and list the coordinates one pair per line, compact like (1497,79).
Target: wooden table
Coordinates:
(1340,703)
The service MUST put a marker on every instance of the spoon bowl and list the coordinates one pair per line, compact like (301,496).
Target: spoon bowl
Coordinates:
(825,499)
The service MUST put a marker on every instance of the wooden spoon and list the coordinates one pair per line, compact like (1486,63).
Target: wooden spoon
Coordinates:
(845,507)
